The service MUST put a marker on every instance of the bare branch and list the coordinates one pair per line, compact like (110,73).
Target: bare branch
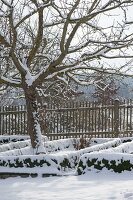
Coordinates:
(31,14)
(38,39)
(66,26)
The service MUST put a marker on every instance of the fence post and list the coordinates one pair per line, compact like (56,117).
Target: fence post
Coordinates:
(116,117)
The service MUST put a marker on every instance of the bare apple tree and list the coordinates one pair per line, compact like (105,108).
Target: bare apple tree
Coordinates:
(42,40)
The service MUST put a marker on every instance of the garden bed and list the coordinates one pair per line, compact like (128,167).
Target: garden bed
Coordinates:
(62,156)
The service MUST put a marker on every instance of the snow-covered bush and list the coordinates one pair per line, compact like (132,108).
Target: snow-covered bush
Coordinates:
(75,155)
(14,146)
(97,161)
(122,148)
(15,143)
(4,139)
(44,164)
(24,147)
(117,159)
(95,141)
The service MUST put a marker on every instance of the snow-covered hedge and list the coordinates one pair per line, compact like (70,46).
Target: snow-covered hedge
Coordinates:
(12,138)
(95,141)
(21,160)
(61,157)
(91,142)
(74,156)
(60,145)
(97,161)
(14,145)
(44,164)
(117,159)
(122,148)
(68,145)
(17,142)
(4,139)
(24,147)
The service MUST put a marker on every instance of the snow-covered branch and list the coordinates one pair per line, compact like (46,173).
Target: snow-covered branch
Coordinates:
(80,82)
(11,82)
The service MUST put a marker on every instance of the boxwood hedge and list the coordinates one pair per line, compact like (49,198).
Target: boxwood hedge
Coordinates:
(116,162)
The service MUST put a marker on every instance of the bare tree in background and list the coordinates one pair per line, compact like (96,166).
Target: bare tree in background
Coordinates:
(45,39)
(106,88)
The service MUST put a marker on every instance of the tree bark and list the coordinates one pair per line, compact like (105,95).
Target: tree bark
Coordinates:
(33,125)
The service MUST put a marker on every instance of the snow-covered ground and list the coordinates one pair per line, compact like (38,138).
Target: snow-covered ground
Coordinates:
(95,184)
(100,186)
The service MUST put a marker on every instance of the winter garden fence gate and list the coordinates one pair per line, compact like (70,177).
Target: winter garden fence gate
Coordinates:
(73,120)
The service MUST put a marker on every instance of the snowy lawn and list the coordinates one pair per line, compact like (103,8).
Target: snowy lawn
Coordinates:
(91,186)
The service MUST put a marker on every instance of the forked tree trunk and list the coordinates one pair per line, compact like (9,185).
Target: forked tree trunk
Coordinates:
(33,125)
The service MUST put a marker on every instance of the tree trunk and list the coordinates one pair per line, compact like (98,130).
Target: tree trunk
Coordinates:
(33,125)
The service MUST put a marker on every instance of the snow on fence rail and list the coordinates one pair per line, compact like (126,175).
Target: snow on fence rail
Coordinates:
(73,119)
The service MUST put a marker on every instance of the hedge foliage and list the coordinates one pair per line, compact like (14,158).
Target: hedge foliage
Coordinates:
(116,162)
(48,164)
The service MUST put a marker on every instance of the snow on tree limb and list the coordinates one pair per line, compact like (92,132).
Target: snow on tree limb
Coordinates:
(4,80)
(7,3)
(80,82)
